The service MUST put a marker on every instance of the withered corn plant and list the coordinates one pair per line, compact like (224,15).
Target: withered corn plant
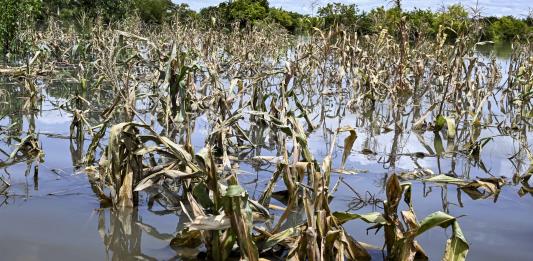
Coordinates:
(145,91)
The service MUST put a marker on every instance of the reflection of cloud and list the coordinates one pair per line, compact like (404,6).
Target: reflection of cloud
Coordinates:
(54,117)
(361,160)
(488,7)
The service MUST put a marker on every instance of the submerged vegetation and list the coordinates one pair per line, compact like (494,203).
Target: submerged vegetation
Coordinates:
(140,97)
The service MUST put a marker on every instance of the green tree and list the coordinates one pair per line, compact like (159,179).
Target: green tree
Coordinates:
(421,23)
(244,12)
(291,21)
(216,14)
(58,8)
(154,11)
(455,21)
(529,19)
(379,18)
(337,13)
(16,15)
(507,27)
(107,10)
(247,11)
(185,13)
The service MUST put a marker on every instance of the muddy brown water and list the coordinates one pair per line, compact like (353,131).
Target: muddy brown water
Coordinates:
(56,216)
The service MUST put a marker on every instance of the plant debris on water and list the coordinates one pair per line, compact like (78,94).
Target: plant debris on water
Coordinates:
(181,117)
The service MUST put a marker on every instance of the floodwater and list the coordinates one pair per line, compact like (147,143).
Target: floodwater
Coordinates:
(50,212)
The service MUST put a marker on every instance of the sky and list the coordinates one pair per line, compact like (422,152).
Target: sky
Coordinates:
(518,8)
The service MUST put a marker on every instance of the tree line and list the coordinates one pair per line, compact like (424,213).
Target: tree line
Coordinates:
(455,20)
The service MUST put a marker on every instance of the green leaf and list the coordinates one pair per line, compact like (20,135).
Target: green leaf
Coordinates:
(201,194)
(277,238)
(435,219)
(440,122)
(234,191)
(437,144)
(457,246)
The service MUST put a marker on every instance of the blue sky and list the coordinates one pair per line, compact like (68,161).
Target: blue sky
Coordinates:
(519,8)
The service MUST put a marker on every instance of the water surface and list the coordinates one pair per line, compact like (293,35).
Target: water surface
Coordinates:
(52,213)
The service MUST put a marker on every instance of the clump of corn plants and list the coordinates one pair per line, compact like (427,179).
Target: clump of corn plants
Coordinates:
(258,97)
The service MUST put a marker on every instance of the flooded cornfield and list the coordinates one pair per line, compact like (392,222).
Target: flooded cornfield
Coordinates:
(180,144)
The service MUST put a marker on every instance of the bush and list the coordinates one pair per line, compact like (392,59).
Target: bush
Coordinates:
(16,16)
(507,27)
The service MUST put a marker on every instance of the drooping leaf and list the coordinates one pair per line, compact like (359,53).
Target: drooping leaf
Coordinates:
(373,217)
(437,143)
(435,219)
(219,222)
(457,246)
(277,238)
(348,144)
(450,123)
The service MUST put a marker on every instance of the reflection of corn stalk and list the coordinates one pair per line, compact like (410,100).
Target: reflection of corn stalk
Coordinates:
(122,237)
(27,149)
(3,185)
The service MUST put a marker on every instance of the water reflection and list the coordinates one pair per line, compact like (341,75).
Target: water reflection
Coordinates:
(386,144)
(121,234)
